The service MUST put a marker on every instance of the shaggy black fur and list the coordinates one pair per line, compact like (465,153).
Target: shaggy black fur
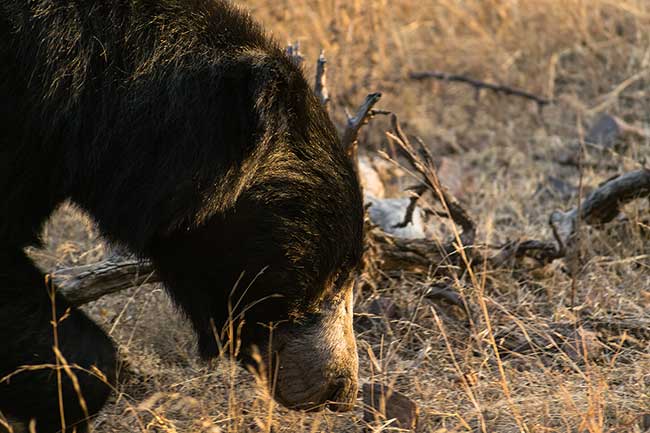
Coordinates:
(192,140)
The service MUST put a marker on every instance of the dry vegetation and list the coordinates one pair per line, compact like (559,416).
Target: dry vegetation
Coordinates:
(558,368)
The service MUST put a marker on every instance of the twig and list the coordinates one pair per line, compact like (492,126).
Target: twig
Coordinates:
(422,162)
(479,85)
(320,83)
(418,191)
(354,124)
(293,51)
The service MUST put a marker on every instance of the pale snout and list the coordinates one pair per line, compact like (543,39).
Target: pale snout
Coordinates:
(317,364)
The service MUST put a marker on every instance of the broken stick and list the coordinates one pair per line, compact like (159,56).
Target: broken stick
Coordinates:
(422,162)
(83,284)
(354,124)
(479,85)
(600,207)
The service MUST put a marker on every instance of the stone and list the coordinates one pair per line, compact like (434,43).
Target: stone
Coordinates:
(383,403)
(388,212)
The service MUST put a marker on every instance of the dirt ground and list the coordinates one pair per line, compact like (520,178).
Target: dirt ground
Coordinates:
(510,165)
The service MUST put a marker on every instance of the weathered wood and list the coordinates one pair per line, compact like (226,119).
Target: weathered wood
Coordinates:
(320,82)
(83,284)
(354,124)
(602,205)
(422,162)
(404,255)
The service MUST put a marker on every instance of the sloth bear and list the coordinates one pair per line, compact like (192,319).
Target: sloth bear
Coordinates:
(194,142)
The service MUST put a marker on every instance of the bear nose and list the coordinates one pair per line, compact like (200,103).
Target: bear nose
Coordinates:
(343,393)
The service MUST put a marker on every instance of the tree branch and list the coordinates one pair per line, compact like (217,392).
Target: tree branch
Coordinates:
(599,207)
(602,205)
(83,284)
(354,124)
(422,162)
(320,82)
(479,85)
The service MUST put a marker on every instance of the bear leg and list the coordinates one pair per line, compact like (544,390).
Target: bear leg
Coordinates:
(31,385)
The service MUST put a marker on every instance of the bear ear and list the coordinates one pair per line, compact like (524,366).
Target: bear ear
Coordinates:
(278,89)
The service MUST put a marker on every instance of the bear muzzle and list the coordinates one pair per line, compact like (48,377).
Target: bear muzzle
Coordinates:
(316,365)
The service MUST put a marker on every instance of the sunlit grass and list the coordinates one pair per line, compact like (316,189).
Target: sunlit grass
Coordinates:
(585,55)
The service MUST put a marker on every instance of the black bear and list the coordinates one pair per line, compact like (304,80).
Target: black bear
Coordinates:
(195,142)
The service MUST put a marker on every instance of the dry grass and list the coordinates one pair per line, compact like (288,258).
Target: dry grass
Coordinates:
(587,56)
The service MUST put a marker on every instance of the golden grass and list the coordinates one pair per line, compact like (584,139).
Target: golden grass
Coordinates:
(585,55)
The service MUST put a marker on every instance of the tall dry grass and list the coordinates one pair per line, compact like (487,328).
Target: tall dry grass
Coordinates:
(588,56)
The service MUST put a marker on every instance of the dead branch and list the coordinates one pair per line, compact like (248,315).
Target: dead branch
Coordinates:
(422,162)
(479,85)
(395,256)
(320,82)
(417,192)
(293,52)
(602,205)
(354,124)
(364,113)
(83,284)
(599,207)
